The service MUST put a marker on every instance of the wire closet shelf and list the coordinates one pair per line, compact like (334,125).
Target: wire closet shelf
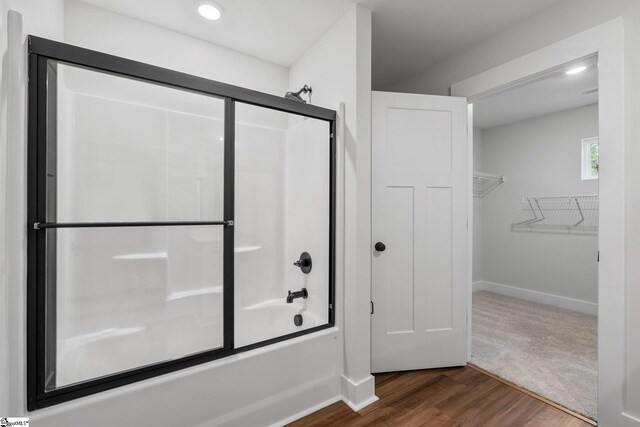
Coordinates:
(484,183)
(573,214)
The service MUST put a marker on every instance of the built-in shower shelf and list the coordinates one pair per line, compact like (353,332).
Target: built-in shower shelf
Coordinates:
(206,235)
(245,249)
(141,256)
(484,183)
(195,292)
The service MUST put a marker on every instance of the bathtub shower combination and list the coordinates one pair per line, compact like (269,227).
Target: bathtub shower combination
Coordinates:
(173,220)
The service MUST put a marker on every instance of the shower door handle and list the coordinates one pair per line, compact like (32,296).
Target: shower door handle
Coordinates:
(380,247)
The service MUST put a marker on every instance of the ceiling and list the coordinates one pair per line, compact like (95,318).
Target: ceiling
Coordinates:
(277,31)
(408,35)
(551,94)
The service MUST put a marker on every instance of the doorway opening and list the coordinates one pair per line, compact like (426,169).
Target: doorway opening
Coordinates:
(535,235)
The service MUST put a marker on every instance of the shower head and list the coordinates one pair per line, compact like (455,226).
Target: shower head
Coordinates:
(295,96)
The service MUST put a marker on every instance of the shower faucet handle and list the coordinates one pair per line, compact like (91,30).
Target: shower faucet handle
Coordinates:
(304,263)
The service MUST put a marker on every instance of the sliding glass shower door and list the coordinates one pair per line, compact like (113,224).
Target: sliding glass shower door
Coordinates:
(172,221)
(282,210)
(129,151)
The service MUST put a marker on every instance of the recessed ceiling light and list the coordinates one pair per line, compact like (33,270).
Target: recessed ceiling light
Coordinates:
(209,10)
(577,70)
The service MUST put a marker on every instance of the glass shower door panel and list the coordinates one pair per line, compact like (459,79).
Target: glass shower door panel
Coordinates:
(121,298)
(282,180)
(134,151)
(119,303)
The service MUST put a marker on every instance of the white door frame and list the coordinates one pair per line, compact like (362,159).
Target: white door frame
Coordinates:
(605,40)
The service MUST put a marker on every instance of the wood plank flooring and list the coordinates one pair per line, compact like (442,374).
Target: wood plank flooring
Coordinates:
(444,397)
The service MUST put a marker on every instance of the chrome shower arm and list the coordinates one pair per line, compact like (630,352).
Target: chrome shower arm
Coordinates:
(296,95)
(304,89)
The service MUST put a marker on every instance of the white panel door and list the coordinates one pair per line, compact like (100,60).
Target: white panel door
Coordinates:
(420,199)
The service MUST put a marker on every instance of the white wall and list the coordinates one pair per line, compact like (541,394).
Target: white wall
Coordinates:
(553,24)
(43,19)
(338,67)
(4,290)
(478,204)
(539,156)
(248,389)
(98,29)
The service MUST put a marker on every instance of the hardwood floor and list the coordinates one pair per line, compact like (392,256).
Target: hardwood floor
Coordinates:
(444,397)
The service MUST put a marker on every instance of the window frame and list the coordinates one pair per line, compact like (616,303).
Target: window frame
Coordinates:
(43,56)
(585,158)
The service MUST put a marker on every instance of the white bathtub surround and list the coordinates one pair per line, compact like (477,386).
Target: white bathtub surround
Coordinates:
(549,351)
(134,151)
(282,210)
(254,391)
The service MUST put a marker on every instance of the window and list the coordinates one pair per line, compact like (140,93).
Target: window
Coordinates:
(590,158)
(165,213)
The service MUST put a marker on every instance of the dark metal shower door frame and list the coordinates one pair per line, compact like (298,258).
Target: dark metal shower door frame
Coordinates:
(41,327)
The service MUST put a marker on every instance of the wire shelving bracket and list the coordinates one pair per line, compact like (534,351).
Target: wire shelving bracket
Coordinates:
(484,183)
(573,214)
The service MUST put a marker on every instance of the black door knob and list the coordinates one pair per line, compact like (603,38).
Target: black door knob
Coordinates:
(380,247)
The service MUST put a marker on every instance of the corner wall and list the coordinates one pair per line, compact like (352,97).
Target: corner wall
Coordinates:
(19,17)
(338,67)
(4,282)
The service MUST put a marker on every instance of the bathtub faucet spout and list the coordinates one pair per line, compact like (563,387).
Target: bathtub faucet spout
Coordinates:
(302,293)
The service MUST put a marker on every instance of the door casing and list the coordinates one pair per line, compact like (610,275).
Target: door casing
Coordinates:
(606,41)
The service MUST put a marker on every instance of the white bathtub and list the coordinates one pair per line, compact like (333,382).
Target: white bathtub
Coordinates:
(272,318)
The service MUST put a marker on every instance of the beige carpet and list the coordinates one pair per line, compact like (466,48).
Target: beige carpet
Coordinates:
(547,350)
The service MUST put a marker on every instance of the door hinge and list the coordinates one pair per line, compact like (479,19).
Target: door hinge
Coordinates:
(372,307)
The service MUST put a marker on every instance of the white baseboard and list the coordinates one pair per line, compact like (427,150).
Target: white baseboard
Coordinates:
(358,394)
(363,404)
(539,297)
(307,411)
